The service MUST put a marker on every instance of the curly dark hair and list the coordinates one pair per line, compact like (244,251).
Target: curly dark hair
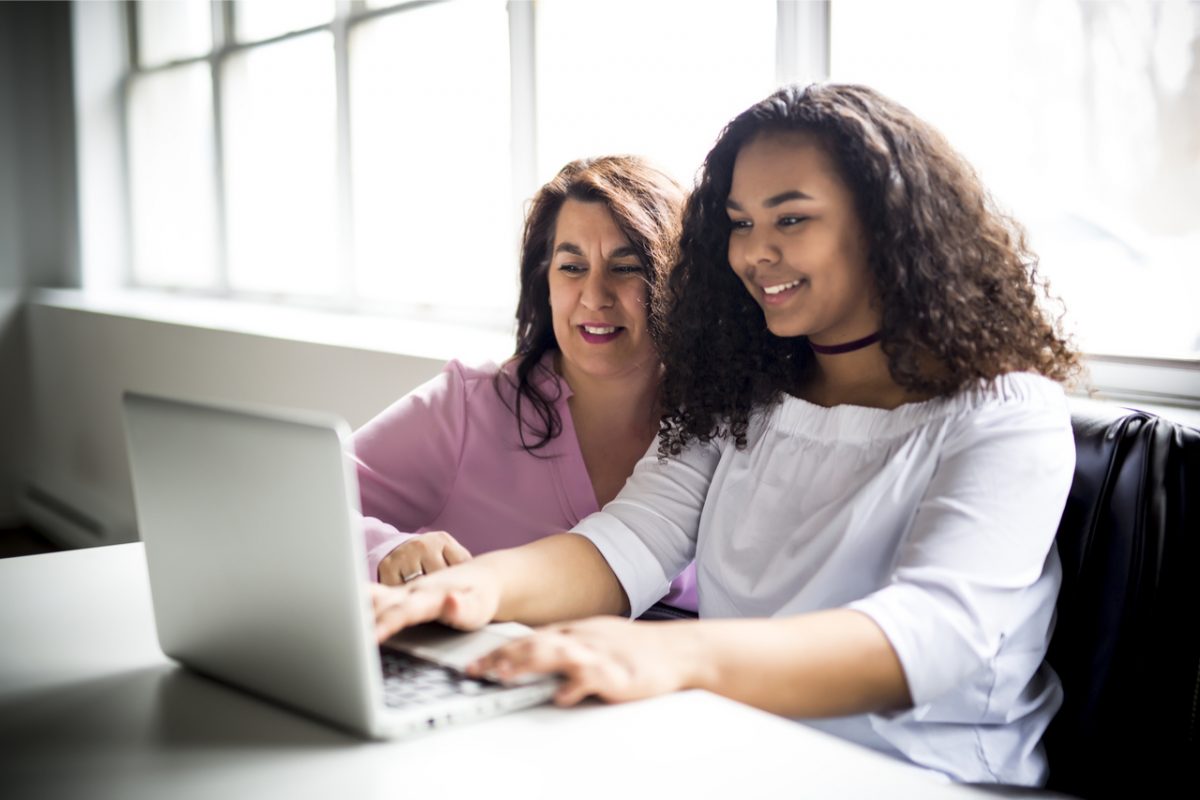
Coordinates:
(958,286)
(646,204)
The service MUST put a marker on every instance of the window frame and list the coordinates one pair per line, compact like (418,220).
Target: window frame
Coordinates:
(802,54)
(802,33)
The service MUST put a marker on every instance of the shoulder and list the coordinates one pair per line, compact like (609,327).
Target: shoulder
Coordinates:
(1018,389)
(1024,411)
(1014,396)
(491,389)
(542,378)
(471,374)
(480,381)
(476,385)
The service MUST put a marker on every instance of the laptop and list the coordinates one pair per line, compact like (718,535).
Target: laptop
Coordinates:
(258,573)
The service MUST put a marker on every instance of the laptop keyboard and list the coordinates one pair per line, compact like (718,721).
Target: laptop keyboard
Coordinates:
(410,681)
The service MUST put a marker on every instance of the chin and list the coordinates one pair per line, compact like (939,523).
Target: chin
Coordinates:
(786,330)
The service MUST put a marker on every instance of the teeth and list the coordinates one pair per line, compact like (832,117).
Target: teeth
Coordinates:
(783,287)
(601,330)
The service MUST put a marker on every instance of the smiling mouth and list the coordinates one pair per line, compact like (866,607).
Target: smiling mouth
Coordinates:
(780,288)
(599,334)
(782,293)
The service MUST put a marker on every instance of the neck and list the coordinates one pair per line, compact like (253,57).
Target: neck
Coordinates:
(845,347)
(857,378)
(622,403)
(865,364)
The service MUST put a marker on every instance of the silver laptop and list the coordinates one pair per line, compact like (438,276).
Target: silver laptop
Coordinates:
(258,573)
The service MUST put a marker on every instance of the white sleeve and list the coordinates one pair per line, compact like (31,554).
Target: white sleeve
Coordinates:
(648,532)
(969,575)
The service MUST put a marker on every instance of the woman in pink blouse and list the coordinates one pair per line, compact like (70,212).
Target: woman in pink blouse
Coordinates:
(483,458)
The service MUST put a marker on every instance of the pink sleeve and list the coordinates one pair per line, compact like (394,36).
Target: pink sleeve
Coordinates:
(407,459)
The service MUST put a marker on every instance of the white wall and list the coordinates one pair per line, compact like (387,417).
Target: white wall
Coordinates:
(82,360)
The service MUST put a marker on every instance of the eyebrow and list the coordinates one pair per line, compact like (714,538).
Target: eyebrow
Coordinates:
(626,251)
(774,200)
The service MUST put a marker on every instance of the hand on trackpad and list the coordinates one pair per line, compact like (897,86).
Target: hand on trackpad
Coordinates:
(456,649)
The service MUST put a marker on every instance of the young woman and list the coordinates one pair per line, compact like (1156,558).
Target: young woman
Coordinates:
(483,458)
(866,450)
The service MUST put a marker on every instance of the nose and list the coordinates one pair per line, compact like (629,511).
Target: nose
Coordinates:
(753,250)
(597,290)
(761,250)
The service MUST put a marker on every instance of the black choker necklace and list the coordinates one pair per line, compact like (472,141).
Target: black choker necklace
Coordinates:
(848,347)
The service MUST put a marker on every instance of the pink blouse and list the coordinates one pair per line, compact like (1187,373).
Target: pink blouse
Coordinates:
(447,456)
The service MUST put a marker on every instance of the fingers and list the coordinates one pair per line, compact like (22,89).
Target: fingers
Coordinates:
(585,671)
(421,555)
(466,609)
(446,598)
(399,607)
(400,562)
(441,550)
(458,608)
(455,553)
(594,674)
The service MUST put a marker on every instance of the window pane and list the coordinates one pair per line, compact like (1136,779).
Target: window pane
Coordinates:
(1082,118)
(171,170)
(280,167)
(173,31)
(434,216)
(642,76)
(255,20)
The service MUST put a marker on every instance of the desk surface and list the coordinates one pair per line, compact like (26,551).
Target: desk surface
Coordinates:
(90,707)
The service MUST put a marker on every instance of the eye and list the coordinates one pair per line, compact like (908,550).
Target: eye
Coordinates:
(740,224)
(789,221)
(572,268)
(628,269)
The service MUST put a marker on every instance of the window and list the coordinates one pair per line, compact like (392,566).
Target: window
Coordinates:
(378,153)
(1083,118)
(434,209)
(171,176)
(656,79)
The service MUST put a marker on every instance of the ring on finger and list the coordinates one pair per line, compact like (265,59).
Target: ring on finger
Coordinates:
(412,576)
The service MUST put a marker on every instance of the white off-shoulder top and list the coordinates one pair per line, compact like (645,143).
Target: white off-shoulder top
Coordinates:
(935,519)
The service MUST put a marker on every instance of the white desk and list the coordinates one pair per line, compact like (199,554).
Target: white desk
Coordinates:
(90,708)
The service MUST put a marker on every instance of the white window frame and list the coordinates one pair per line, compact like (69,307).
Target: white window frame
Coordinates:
(104,43)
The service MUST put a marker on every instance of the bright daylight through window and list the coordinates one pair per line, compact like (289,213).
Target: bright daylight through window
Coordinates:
(377,155)
(1084,119)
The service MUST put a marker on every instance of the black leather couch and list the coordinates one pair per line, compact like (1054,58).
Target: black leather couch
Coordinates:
(1127,640)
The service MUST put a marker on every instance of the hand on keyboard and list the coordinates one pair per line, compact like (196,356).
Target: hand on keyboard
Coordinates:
(463,597)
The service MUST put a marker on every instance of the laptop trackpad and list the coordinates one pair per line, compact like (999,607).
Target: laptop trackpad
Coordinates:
(454,648)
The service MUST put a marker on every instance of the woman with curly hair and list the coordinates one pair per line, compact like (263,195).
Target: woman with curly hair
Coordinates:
(484,457)
(866,448)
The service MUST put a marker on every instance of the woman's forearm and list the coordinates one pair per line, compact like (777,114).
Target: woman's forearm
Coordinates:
(825,664)
(557,578)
